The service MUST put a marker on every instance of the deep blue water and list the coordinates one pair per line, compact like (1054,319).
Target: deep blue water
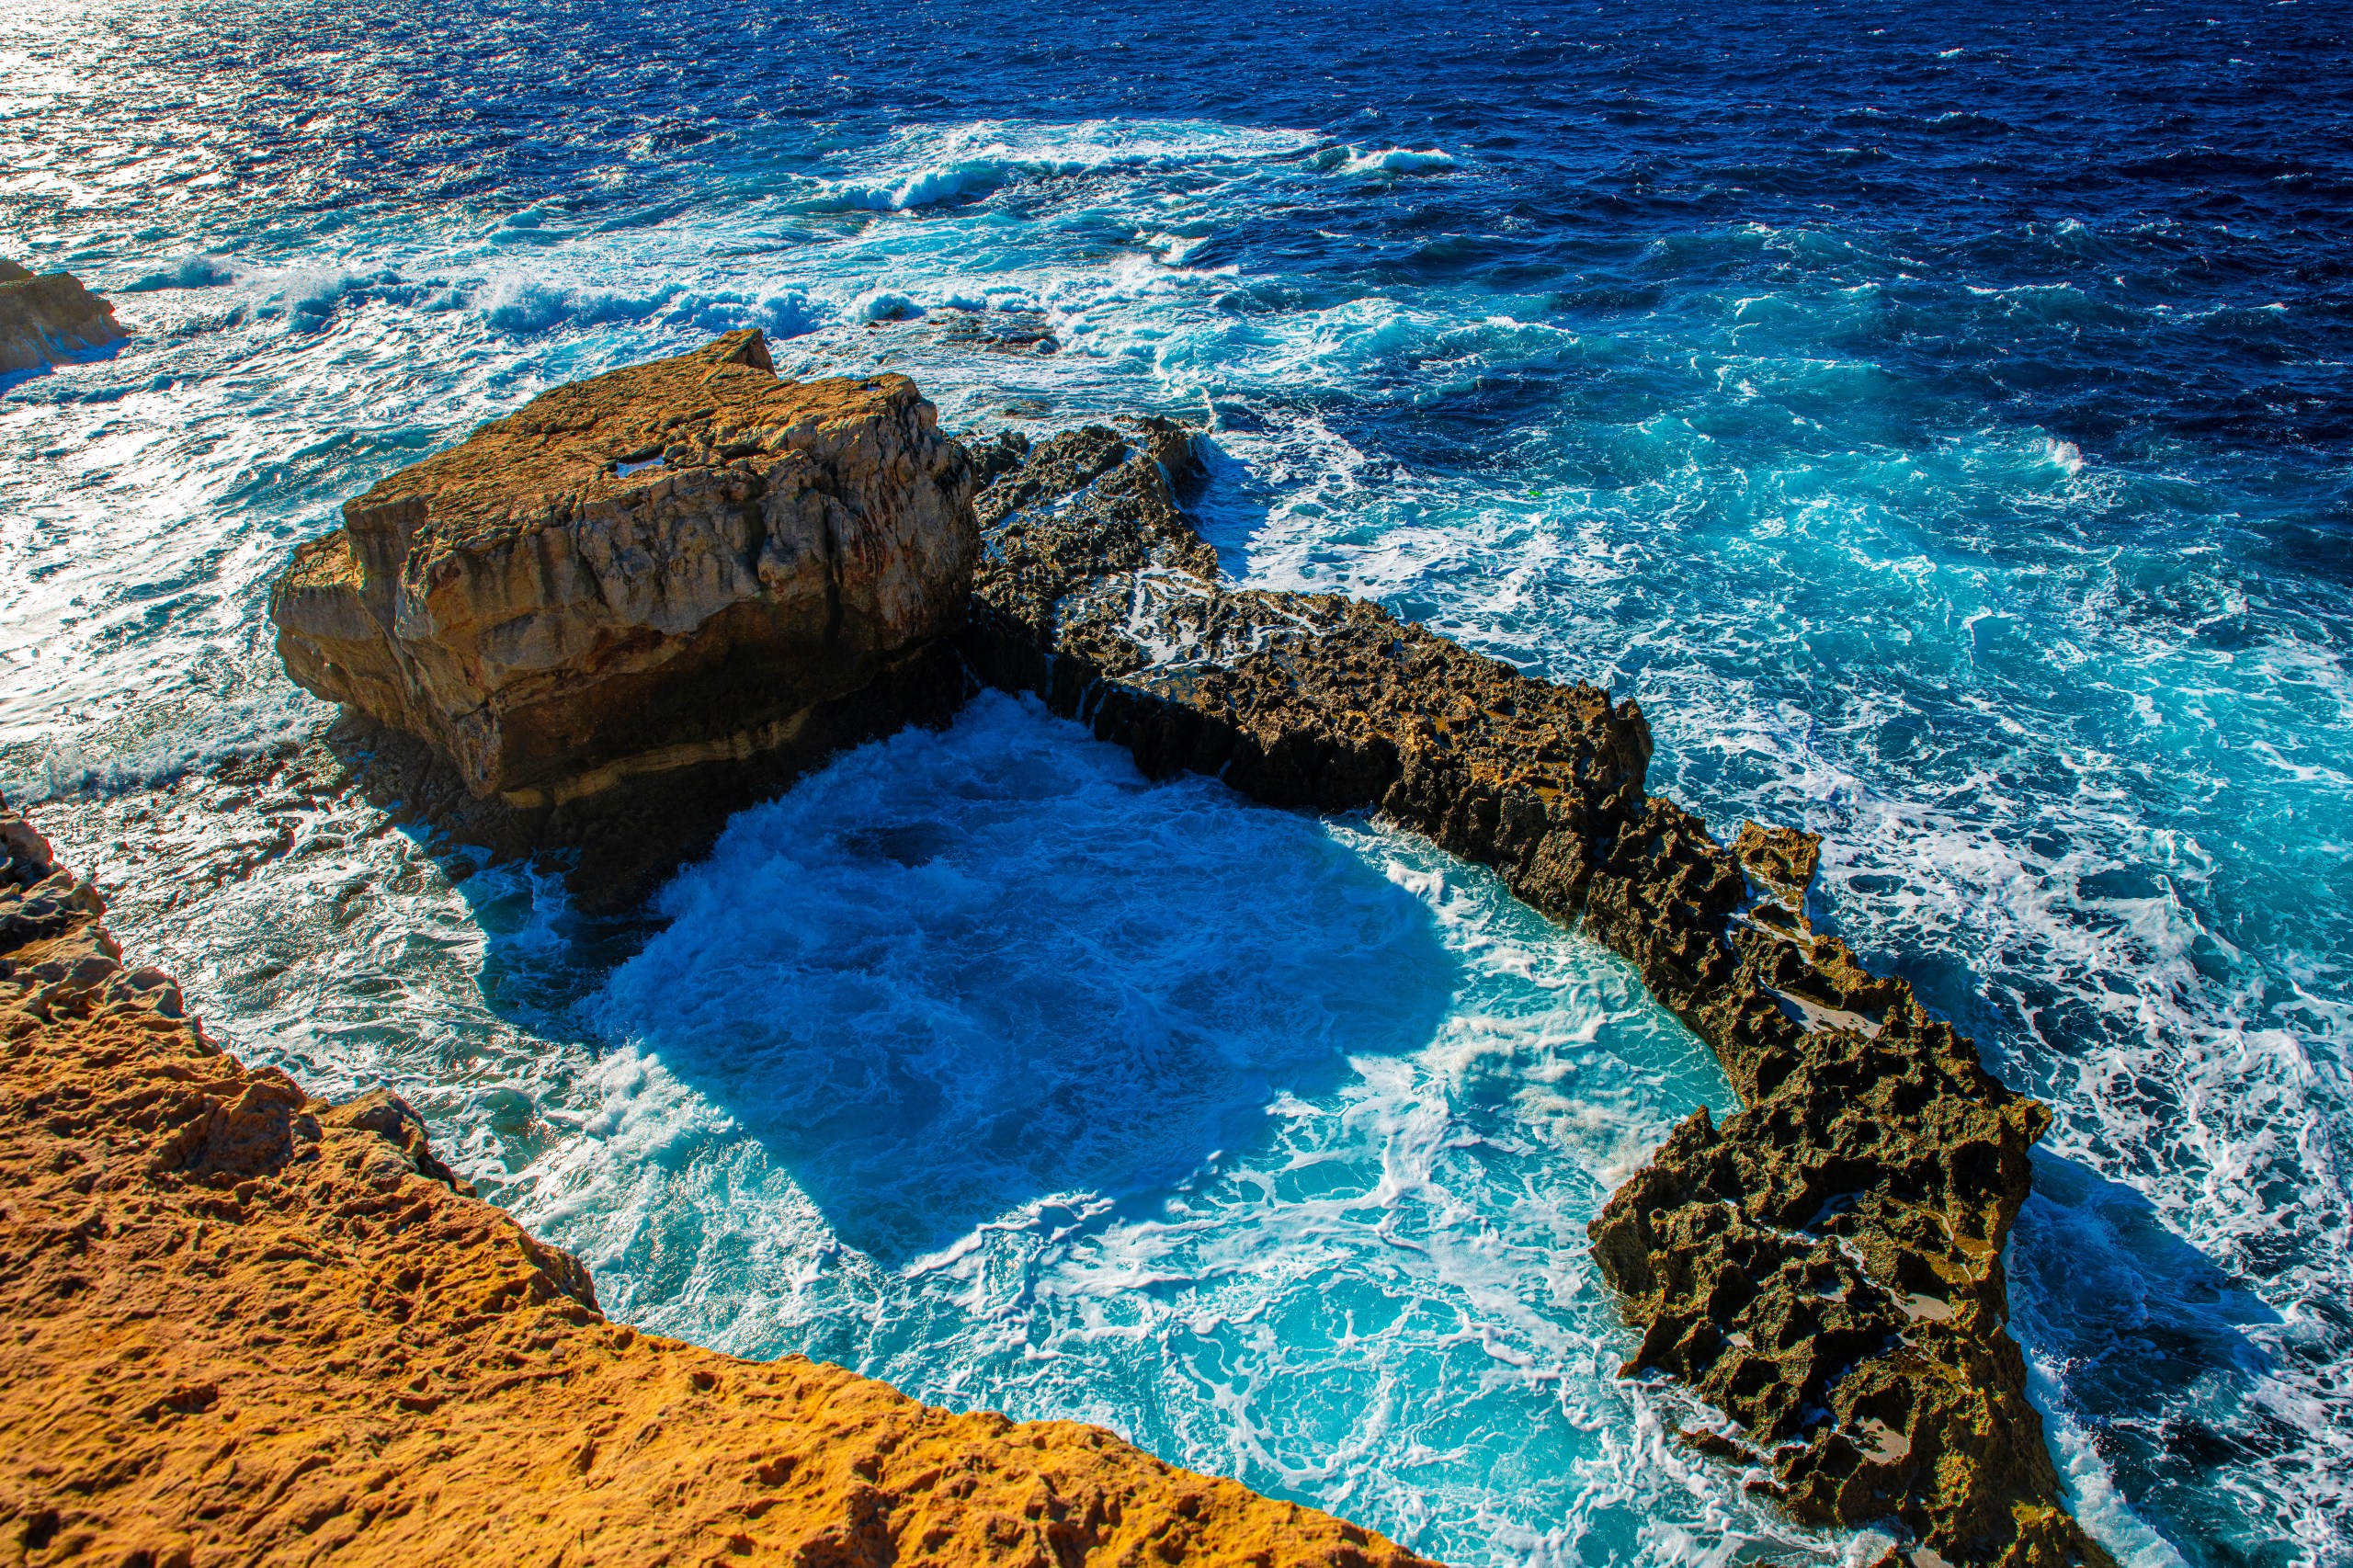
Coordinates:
(1937,416)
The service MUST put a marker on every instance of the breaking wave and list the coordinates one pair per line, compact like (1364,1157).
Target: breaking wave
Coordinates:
(1997,540)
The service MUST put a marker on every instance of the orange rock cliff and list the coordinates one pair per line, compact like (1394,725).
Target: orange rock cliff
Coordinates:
(242,1324)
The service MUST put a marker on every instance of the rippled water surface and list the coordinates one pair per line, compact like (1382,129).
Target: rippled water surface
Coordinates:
(1937,416)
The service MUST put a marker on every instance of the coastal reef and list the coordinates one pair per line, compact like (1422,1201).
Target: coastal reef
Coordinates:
(671,587)
(1825,1267)
(639,603)
(47,318)
(245,1324)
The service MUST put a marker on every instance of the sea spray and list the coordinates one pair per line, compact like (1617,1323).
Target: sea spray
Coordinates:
(1941,444)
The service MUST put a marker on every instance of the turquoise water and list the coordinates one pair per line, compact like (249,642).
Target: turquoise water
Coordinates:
(1940,429)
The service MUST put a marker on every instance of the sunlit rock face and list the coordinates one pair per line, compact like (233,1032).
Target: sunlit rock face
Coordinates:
(46,319)
(171,1212)
(684,580)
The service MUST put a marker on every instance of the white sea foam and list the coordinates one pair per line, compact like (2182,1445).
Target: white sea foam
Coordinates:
(1395,161)
(925,165)
(2062,736)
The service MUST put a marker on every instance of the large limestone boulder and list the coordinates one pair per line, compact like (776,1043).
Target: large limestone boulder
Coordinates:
(45,319)
(678,574)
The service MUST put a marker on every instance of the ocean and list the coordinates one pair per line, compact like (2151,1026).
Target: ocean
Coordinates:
(1938,417)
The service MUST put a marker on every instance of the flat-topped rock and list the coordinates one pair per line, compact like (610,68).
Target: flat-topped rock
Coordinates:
(644,600)
(636,570)
(47,319)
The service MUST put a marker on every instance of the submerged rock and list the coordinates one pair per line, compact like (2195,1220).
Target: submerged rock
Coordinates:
(246,1324)
(49,318)
(641,602)
(1825,1267)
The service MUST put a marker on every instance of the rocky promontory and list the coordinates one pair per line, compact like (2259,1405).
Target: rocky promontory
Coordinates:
(47,318)
(1825,1268)
(586,654)
(640,603)
(247,1325)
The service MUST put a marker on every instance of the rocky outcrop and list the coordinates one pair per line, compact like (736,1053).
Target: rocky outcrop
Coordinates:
(1096,592)
(244,1324)
(597,657)
(1826,1267)
(640,603)
(49,318)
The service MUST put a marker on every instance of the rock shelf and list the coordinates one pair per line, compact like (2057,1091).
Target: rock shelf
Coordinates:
(1825,1267)
(245,1324)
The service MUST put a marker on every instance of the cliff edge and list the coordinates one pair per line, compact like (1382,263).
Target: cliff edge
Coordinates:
(247,1325)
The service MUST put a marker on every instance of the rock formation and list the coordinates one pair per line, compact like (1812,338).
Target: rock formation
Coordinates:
(1825,1267)
(45,319)
(641,602)
(247,1325)
(648,596)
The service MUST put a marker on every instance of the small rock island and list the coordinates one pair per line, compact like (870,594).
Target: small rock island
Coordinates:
(49,318)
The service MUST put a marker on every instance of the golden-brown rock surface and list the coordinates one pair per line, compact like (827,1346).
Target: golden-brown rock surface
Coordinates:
(244,1325)
(44,318)
(639,571)
(637,604)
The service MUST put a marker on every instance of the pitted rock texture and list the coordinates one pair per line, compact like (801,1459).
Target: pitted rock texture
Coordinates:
(245,1326)
(1825,1267)
(641,602)
(1096,591)
(49,318)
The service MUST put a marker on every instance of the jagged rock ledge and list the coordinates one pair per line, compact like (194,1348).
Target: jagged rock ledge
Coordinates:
(245,1324)
(49,318)
(1825,1267)
(603,659)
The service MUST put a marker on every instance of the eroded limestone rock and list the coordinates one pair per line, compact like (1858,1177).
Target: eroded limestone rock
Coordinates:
(641,602)
(1096,592)
(246,1326)
(1825,1267)
(46,319)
